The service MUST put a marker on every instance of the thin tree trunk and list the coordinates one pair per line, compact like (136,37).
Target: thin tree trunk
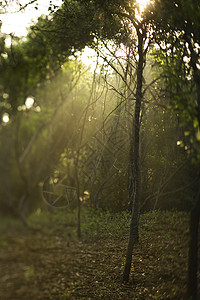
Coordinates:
(193,250)
(77,160)
(134,180)
(25,196)
(78,194)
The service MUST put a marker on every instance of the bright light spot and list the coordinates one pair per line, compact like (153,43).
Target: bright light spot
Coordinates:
(8,41)
(29,102)
(141,7)
(38,109)
(89,58)
(21,22)
(18,22)
(178,143)
(142,4)
(5,96)
(22,107)
(5,118)
(186,59)
(4,55)
(88,55)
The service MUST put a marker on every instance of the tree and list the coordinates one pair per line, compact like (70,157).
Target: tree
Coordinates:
(168,176)
(135,177)
(33,131)
(177,26)
(87,22)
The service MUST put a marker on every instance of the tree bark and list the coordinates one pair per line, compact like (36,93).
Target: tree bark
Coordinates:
(192,283)
(134,180)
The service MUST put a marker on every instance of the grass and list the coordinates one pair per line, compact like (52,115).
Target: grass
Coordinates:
(93,223)
(50,263)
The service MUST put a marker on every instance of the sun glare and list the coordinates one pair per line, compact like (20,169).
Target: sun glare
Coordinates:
(17,22)
(142,4)
(141,7)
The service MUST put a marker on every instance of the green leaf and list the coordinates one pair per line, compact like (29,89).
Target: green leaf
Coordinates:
(195,123)
(186,133)
(198,135)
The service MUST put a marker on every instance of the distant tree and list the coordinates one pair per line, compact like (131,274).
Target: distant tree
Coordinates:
(177,26)
(80,23)
(37,134)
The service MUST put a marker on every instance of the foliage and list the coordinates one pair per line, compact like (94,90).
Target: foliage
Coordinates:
(56,222)
(37,60)
(81,23)
(37,136)
(100,223)
(23,66)
(169,178)
(176,33)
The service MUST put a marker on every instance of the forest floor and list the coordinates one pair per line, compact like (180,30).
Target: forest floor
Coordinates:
(48,264)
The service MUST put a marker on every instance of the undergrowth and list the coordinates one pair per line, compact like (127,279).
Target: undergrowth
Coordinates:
(100,223)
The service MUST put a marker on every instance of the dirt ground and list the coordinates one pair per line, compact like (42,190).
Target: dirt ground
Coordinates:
(34,266)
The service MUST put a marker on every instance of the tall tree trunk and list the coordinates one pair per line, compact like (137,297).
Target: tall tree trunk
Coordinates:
(134,177)
(193,250)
